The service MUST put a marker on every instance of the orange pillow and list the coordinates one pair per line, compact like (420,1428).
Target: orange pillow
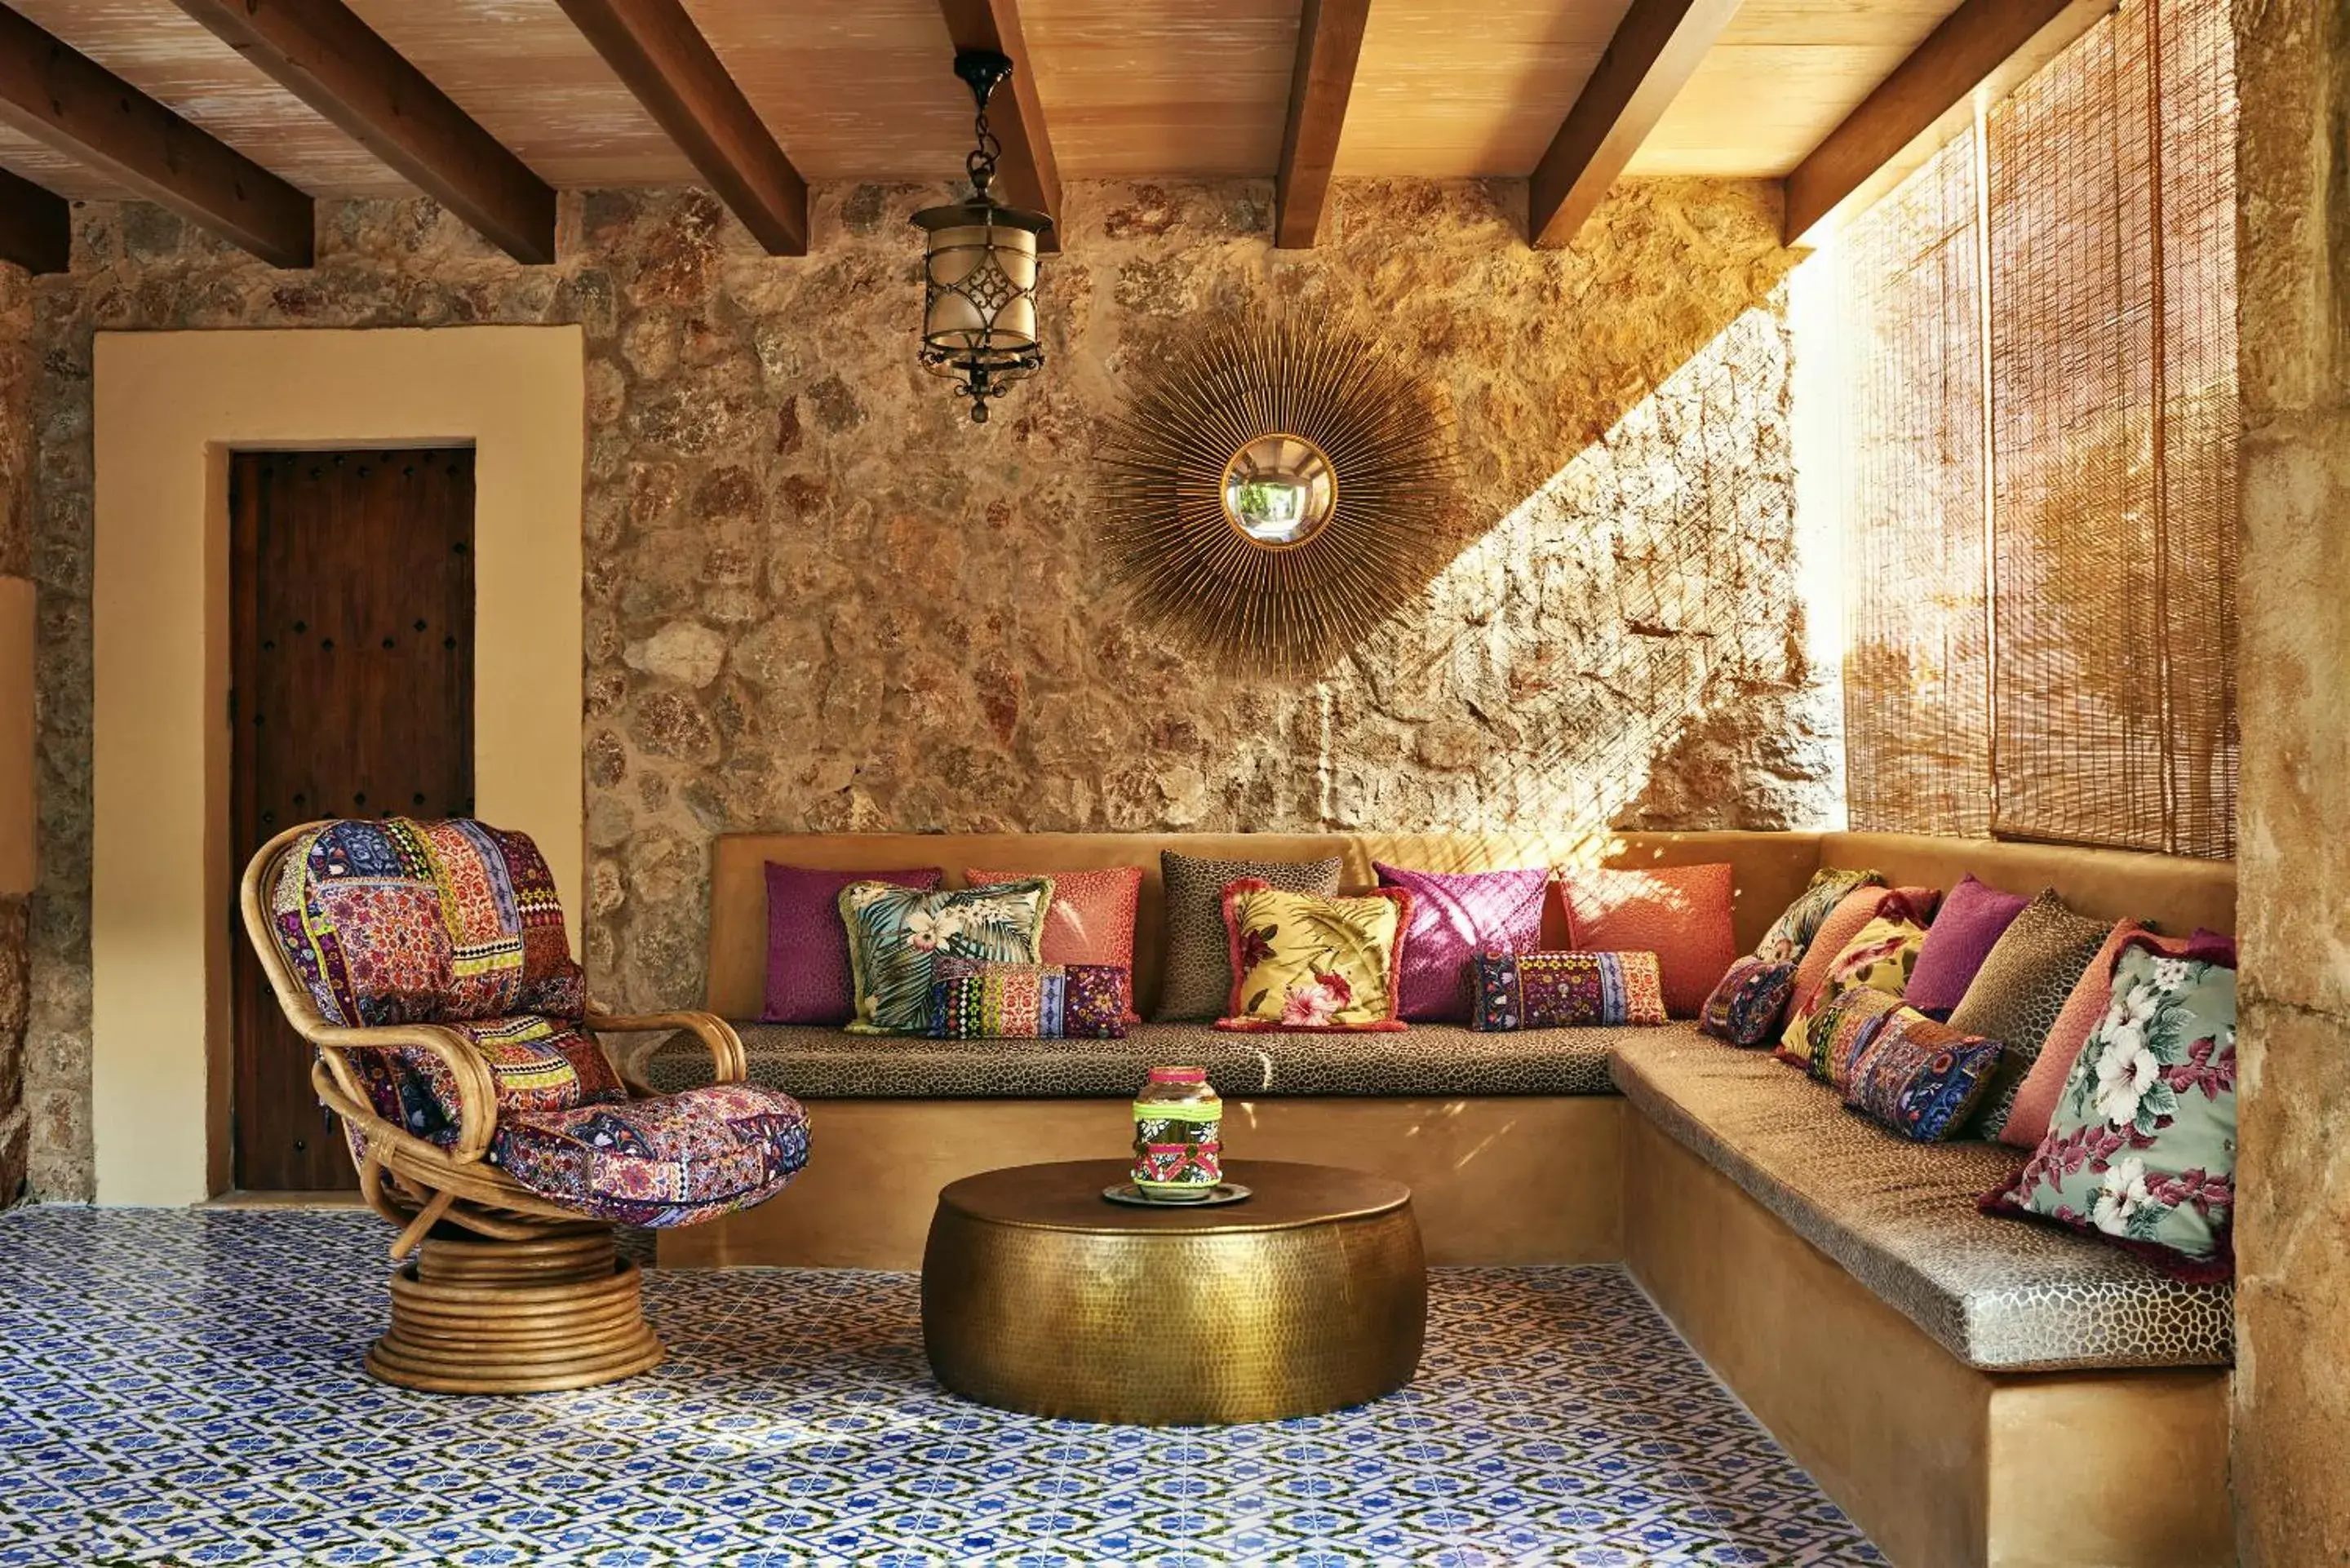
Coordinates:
(1680,913)
(1843,923)
(1091,919)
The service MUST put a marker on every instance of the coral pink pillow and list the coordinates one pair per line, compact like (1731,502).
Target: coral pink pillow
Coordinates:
(1680,913)
(2044,1085)
(1843,923)
(1091,919)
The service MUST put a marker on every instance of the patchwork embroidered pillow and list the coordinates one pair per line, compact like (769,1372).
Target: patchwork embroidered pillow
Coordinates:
(1301,961)
(1878,958)
(1091,920)
(895,932)
(1972,919)
(1791,934)
(395,922)
(1680,913)
(1453,916)
(674,1159)
(2021,987)
(1921,1078)
(1747,1007)
(1566,991)
(971,1000)
(1195,982)
(2142,1148)
(1842,1030)
(809,979)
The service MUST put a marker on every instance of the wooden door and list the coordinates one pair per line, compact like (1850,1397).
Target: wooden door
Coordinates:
(351,605)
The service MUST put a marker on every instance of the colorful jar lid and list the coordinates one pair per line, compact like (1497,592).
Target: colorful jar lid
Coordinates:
(1179,1074)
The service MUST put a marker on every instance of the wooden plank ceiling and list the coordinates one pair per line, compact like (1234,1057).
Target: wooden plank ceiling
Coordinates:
(1111,89)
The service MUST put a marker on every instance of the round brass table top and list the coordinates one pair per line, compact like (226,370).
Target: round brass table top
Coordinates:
(1066,1196)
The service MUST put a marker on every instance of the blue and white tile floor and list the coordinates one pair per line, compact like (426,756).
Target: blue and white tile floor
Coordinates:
(184,1387)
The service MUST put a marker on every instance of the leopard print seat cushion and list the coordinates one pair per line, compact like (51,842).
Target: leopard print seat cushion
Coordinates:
(1428,1059)
(1901,1216)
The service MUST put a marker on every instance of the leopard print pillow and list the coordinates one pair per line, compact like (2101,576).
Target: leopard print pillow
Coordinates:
(1196,982)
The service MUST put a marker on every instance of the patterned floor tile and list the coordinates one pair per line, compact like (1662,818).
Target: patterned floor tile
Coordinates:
(182,1387)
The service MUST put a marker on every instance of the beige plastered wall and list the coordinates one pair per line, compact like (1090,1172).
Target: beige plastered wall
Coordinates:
(170,408)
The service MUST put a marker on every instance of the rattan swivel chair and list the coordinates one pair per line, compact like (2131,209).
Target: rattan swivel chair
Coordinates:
(427,962)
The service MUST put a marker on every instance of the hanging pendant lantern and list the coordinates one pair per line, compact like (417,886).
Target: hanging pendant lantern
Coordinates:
(979,272)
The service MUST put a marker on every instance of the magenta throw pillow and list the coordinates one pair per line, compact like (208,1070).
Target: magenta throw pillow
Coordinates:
(807,948)
(1971,918)
(1456,914)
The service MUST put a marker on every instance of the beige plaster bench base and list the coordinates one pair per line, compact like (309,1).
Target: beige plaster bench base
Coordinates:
(1517,1180)
(1937,1462)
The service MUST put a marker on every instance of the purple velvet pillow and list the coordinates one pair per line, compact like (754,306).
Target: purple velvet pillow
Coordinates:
(807,948)
(1970,920)
(1456,914)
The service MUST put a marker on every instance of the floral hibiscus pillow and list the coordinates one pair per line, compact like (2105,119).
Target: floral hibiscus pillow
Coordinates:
(2142,1148)
(1301,961)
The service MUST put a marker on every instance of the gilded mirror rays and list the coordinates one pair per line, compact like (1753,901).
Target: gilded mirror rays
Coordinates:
(1275,484)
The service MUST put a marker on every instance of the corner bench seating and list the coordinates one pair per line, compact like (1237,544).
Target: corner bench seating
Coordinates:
(1970,1389)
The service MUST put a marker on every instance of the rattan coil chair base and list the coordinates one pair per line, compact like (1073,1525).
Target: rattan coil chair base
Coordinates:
(557,1310)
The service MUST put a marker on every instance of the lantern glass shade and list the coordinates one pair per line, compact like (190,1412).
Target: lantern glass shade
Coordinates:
(978,299)
(1280,491)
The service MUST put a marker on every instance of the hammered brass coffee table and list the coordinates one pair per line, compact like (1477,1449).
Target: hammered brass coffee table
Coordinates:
(1039,1295)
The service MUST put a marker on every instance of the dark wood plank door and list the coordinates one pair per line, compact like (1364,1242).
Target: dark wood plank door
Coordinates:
(351,605)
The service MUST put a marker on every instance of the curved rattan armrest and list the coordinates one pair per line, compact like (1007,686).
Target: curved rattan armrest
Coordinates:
(477,1096)
(728,1063)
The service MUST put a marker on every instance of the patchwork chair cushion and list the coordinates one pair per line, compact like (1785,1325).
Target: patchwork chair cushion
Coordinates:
(535,1065)
(410,922)
(676,1160)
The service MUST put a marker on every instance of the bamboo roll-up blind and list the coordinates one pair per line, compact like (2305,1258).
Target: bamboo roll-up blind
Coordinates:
(2098,703)
(1915,674)
(2113,500)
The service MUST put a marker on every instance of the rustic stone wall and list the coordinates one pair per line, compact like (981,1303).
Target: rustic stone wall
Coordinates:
(2293,1341)
(819,598)
(16,557)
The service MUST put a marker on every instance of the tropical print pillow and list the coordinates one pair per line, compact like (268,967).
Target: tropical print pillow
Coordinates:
(2142,1148)
(894,933)
(1792,932)
(1301,961)
(1879,957)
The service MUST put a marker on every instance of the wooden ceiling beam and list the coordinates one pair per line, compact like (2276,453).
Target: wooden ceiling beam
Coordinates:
(68,102)
(1984,42)
(655,48)
(1026,173)
(323,55)
(1657,48)
(1329,42)
(36,225)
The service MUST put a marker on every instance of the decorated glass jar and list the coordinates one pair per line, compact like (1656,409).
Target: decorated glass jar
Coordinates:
(1178,1119)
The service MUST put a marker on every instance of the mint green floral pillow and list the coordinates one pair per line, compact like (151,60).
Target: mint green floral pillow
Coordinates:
(2142,1148)
(894,932)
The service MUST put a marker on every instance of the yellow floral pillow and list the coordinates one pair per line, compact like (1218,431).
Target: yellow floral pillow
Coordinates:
(1879,957)
(1301,961)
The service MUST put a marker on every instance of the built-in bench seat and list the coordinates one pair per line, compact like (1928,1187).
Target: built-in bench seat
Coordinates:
(1431,1059)
(1900,1218)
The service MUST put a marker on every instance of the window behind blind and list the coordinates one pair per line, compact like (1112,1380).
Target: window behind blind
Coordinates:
(2098,705)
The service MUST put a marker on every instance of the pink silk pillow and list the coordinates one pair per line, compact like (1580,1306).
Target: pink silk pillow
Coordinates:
(1680,913)
(1091,920)
(2044,1085)
(1455,916)
(808,978)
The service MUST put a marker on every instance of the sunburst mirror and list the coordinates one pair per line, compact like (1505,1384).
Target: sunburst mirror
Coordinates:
(1275,485)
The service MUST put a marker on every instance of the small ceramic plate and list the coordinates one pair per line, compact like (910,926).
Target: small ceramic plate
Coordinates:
(1127,1192)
